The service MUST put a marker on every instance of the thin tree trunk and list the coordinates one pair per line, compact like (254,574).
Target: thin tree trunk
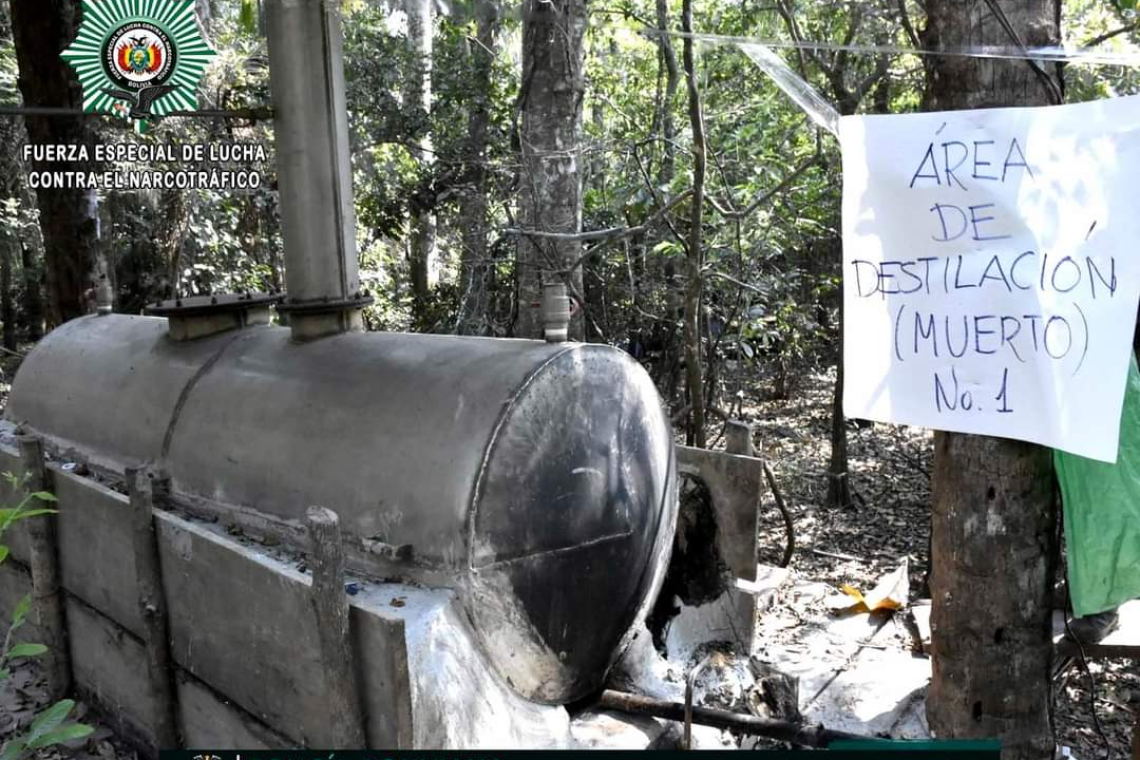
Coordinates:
(11,171)
(994,512)
(170,238)
(475,271)
(675,297)
(7,299)
(672,80)
(847,100)
(417,100)
(838,477)
(694,284)
(68,217)
(550,192)
(594,287)
(838,484)
(33,294)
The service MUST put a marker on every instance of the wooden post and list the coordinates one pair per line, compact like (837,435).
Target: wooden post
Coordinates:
(738,438)
(152,607)
(47,595)
(346,721)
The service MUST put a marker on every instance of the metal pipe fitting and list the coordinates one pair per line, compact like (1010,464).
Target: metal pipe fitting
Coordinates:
(555,312)
(314,174)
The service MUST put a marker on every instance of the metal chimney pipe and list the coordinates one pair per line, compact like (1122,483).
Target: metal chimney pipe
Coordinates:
(314,174)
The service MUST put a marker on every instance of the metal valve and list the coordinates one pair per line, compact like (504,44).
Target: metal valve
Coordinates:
(555,312)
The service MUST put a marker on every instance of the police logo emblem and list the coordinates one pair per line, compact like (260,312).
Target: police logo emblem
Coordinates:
(139,59)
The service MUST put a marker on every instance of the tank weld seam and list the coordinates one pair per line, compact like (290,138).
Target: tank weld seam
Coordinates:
(504,415)
(498,562)
(184,396)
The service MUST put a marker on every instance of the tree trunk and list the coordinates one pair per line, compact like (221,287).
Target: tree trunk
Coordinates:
(68,217)
(11,173)
(694,284)
(33,294)
(7,302)
(675,291)
(475,271)
(994,527)
(838,474)
(594,282)
(838,484)
(838,477)
(550,192)
(417,101)
(672,80)
(169,239)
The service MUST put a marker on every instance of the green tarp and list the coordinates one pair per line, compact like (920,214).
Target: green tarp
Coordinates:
(1102,516)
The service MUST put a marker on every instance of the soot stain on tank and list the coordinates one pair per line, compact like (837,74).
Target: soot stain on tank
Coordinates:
(697,572)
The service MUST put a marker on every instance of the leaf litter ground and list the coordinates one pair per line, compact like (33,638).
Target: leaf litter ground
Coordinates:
(889,470)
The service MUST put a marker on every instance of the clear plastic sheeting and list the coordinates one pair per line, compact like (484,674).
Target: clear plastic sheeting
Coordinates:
(1046,54)
(824,113)
(1102,516)
(794,86)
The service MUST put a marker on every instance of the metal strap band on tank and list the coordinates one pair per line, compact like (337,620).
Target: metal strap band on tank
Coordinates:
(477,487)
(187,389)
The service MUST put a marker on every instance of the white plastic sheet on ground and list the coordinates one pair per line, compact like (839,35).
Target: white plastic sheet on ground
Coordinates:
(990,265)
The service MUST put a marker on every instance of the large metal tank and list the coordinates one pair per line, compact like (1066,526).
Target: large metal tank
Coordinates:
(538,478)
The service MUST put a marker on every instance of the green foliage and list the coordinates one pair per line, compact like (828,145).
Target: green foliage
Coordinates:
(770,277)
(9,95)
(247,17)
(392,178)
(25,650)
(50,726)
(46,730)
(1086,22)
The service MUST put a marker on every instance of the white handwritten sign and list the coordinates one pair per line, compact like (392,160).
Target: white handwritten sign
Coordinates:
(991,267)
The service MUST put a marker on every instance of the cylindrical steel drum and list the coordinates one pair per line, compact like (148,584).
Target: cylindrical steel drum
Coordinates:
(539,477)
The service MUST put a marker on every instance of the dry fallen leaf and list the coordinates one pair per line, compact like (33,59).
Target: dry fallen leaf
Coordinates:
(890,593)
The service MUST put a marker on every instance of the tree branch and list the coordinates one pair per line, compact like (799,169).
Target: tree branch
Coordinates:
(882,65)
(853,25)
(608,234)
(653,193)
(786,13)
(1108,36)
(904,19)
(777,189)
(624,232)
(739,283)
